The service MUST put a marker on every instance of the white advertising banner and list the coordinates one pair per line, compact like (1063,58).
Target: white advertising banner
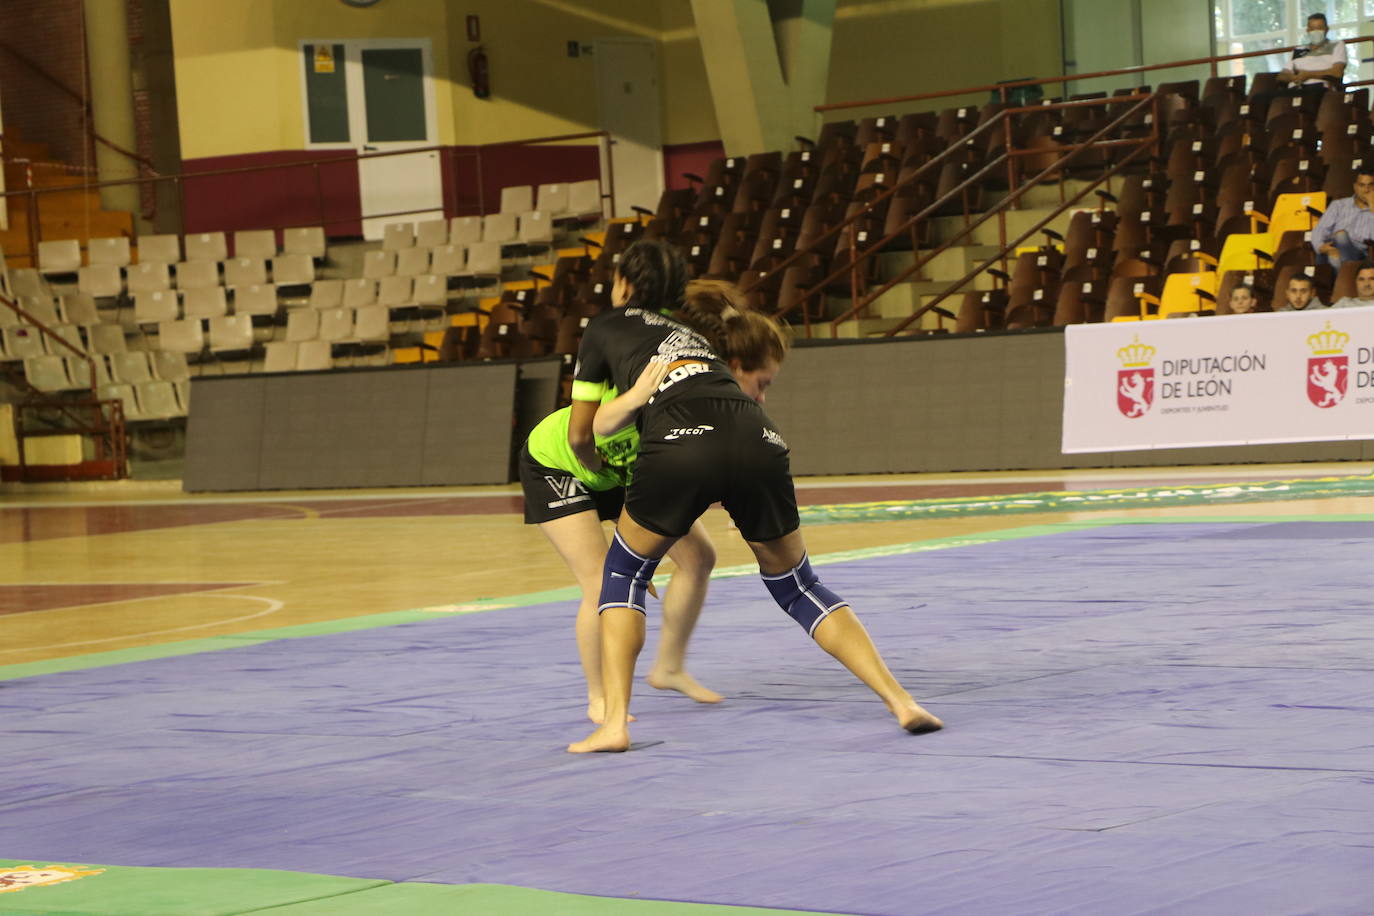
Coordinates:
(1227,380)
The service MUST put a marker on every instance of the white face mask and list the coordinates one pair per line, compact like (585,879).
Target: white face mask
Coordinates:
(1317,37)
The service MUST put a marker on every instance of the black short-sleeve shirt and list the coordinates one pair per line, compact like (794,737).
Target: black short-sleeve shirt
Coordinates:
(618,343)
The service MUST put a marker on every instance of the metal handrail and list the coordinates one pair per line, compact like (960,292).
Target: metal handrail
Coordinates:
(345,156)
(1002,88)
(1001,118)
(1014,194)
(1145,143)
(67,90)
(889,192)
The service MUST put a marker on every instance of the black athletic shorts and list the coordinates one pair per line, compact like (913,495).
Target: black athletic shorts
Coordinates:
(697,452)
(551,493)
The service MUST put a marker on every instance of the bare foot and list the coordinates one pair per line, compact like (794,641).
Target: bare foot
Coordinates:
(916,720)
(596,711)
(683,683)
(607,738)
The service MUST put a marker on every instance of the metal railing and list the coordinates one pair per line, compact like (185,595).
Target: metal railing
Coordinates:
(102,420)
(180,182)
(1015,191)
(1004,88)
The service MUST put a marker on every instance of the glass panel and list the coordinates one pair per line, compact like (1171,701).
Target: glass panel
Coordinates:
(326,93)
(1249,17)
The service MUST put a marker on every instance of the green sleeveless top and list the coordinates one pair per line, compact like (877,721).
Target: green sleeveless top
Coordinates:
(548,444)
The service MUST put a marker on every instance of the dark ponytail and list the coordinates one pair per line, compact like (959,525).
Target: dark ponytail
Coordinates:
(657,272)
(705,308)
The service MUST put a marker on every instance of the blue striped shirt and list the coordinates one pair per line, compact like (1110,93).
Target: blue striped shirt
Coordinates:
(1344,214)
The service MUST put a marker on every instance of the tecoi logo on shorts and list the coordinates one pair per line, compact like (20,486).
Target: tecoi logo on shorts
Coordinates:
(689,431)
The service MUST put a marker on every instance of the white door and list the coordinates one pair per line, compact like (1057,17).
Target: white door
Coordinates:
(628,102)
(377,96)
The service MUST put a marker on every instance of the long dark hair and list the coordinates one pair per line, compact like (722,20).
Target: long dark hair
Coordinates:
(656,271)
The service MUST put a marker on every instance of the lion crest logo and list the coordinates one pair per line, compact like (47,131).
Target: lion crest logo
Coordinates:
(24,877)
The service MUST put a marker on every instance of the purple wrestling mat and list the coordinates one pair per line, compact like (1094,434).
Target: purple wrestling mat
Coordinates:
(1140,719)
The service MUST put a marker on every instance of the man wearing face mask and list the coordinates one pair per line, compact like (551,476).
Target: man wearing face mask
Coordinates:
(1316,65)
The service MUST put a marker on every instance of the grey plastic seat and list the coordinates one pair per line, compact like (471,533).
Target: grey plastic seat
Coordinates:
(131,367)
(246,271)
(147,276)
(197,274)
(231,332)
(59,256)
(106,338)
(411,262)
(159,249)
(398,236)
(208,302)
(156,305)
(112,251)
(256,299)
(185,336)
(464,230)
(306,240)
(259,244)
(206,246)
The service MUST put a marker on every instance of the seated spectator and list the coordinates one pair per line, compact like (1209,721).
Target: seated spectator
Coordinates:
(1364,289)
(1347,224)
(1242,300)
(1316,65)
(1300,294)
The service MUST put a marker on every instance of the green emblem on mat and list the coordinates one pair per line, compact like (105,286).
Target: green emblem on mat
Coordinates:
(29,876)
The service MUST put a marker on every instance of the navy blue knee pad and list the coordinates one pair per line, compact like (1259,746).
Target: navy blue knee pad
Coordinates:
(799,592)
(625,577)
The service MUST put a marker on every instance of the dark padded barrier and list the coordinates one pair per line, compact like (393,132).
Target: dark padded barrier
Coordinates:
(388,427)
(965,403)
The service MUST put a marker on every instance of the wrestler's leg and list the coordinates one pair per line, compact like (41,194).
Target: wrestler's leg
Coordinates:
(581,542)
(695,557)
(622,627)
(837,631)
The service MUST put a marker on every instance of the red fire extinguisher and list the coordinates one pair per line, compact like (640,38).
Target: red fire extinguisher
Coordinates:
(479,71)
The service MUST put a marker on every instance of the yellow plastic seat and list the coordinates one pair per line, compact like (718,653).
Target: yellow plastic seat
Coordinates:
(1290,212)
(1181,293)
(1238,251)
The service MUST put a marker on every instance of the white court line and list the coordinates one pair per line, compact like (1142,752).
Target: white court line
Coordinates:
(1238,473)
(273,605)
(85,604)
(325,496)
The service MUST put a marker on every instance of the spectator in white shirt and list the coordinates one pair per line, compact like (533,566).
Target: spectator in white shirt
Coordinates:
(1318,64)
(1364,289)
(1313,67)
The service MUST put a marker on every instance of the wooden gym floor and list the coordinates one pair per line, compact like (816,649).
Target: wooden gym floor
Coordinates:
(96,568)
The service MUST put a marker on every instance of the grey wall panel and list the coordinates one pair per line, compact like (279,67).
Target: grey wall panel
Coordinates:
(224,434)
(404,426)
(957,404)
(536,394)
(468,421)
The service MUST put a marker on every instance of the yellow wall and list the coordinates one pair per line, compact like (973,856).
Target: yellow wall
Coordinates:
(886,48)
(228,82)
(239,81)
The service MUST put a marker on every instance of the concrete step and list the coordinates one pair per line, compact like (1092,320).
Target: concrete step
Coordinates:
(989,232)
(853,328)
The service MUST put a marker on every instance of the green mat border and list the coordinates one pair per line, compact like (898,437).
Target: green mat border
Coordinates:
(479,605)
(125,890)
(1092,500)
